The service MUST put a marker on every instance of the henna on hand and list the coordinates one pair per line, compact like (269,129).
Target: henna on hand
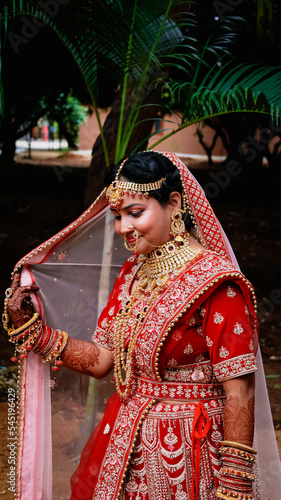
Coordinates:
(19,305)
(81,356)
(239,420)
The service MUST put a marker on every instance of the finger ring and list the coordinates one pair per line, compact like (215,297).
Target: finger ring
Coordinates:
(8,293)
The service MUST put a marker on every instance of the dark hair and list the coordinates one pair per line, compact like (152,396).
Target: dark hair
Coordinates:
(149,166)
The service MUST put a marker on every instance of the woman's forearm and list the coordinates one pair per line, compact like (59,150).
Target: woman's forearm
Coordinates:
(236,453)
(239,410)
(86,357)
(239,420)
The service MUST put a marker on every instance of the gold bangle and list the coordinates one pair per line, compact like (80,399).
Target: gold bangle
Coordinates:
(226,497)
(234,494)
(222,495)
(230,451)
(25,326)
(5,315)
(230,471)
(240,446)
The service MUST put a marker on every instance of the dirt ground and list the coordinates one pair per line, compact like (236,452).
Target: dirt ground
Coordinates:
(41,196)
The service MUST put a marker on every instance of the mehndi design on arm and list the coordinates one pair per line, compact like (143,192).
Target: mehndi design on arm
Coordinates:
(81,356)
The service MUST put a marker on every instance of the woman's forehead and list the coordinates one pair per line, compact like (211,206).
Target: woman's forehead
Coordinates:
(129,203)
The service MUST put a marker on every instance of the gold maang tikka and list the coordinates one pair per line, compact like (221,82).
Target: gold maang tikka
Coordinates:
(116,191)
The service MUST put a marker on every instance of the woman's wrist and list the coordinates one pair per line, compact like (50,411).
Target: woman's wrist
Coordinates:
(236,474)
(48,342)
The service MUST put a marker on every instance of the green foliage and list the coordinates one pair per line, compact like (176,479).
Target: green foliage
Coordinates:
(138,45)
(228,87)
(68,110)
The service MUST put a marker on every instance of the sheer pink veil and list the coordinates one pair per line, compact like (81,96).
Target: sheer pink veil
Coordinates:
(75,271)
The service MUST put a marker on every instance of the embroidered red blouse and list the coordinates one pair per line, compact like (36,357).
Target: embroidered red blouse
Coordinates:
(218,335)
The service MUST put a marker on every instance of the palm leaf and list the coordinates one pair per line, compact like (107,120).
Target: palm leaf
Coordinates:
(135,51)
(136,41)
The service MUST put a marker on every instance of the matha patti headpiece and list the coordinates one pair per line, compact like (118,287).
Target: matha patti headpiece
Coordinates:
(115,192)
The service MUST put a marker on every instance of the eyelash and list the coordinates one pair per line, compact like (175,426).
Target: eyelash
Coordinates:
(136,214)
(133,214)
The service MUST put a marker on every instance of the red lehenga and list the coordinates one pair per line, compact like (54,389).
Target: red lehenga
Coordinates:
(163,442)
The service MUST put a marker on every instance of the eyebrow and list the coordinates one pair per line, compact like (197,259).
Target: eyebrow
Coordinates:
(127,207)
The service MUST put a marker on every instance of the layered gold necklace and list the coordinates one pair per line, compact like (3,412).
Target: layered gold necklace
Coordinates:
(153,276)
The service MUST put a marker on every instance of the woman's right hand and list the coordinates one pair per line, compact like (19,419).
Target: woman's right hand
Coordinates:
(19,305)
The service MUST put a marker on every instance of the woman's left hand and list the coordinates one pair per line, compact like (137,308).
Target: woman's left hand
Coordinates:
(19,305)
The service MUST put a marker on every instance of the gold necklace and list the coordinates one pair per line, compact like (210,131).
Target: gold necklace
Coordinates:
(123,361)
(152,278)
(164,260)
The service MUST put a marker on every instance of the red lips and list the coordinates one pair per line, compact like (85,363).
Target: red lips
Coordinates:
(131,239)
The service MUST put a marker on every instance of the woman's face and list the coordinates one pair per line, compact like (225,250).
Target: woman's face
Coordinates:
(151,220)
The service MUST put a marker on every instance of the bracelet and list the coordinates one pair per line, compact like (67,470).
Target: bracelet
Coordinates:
(236,472)
(238,465)
(240,446)
(237,460)
(249,457)
(224,492)
(5,315)
(23,337)
(48,344)
(43,340)
(53,355)
(13,333)
(236,485)
(35,333)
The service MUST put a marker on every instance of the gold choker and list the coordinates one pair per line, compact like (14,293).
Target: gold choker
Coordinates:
(161,262)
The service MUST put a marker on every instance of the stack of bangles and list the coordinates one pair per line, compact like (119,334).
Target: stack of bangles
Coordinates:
(236,474)
(39,338)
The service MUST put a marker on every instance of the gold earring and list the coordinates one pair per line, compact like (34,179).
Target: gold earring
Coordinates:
(177,230)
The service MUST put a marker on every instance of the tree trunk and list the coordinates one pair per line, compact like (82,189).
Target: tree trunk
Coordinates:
(98,169)
(69,137)
(8,144)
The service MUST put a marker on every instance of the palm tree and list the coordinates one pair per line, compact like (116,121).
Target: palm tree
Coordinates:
(135,51)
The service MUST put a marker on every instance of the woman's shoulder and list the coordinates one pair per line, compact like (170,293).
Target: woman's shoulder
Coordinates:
(209,260)
(208,255)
